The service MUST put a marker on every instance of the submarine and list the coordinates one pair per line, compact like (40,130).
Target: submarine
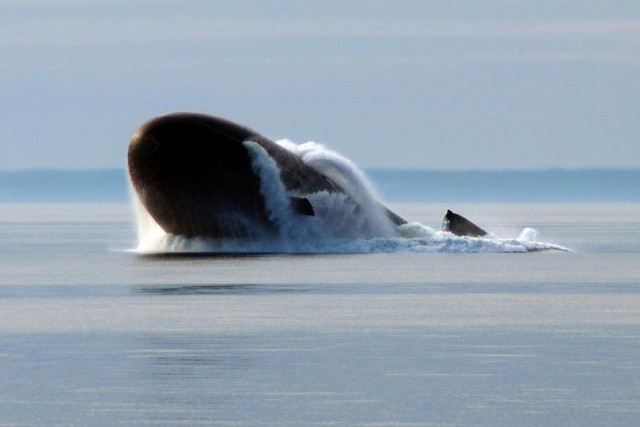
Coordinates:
(196,175)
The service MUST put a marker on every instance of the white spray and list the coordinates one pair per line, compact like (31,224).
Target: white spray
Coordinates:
(343,223)
(337,216)
(351,178)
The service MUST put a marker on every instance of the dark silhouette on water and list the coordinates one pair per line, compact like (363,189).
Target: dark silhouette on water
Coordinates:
(460,226)
(194,175)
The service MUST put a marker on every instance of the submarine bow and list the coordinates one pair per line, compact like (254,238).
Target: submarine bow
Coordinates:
(199,175)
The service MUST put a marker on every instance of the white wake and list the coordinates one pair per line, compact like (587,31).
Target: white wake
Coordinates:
(353,223)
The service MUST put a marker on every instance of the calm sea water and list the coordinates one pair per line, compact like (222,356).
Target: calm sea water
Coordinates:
(92,333)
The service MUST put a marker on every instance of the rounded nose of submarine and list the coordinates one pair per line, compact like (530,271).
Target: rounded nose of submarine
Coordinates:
(181,143)
(190,171)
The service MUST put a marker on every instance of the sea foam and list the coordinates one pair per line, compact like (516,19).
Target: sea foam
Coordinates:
(355,222)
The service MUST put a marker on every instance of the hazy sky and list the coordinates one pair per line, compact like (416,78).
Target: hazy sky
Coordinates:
(400,84)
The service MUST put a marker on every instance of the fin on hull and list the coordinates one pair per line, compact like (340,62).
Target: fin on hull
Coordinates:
(460,226)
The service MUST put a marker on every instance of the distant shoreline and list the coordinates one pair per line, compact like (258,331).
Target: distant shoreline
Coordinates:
(394,185)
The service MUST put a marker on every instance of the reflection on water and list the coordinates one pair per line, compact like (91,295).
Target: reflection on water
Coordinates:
(192,356)
(222,289)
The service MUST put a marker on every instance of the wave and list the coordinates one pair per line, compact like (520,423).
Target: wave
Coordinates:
(354,222)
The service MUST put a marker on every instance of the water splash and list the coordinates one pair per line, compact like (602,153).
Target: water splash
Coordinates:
(351,178)
(343,223)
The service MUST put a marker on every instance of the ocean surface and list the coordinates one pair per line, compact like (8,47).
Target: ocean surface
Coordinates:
(93,332)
